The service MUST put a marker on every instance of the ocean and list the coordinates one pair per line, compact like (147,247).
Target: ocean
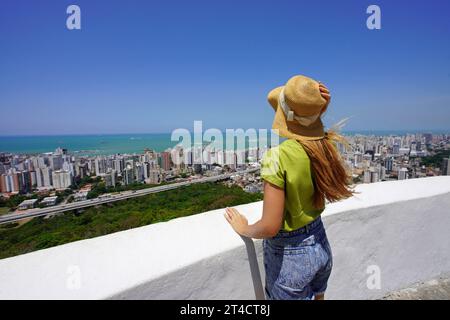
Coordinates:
(87,144)
(123,143)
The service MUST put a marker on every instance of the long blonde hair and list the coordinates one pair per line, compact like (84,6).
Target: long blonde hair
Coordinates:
(331,177)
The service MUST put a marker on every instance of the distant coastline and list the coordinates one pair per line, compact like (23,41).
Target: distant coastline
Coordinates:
(105,144)
(94,144)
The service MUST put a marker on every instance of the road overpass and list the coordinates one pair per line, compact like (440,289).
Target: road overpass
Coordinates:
(112,197)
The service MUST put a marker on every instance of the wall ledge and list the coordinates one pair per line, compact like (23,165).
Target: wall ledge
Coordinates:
(126,264)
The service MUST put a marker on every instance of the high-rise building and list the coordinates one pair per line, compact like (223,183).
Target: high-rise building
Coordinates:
(241,157)
(81,170)
(25,184)
(445,167)
(396,149)
(164,160)
(374,175)
(110,178)
(419,146)
(154,176)
(61,179)
(128,175)
(220,157)
(68,166)
(100,166)
(60,151)
(33,179)
(91,166)
(403,151)
(197,155)
(139,172)
(230,159)
(47,177)
(4,187)
(15,182)
(41,162)
(388,163)
(428,138)
(358,158)
(56,162)
(383,173)
(188,157)
(39,178)
(403,174)
(119,164)
(366,177)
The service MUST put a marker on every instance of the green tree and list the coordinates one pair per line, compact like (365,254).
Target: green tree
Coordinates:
(42,233)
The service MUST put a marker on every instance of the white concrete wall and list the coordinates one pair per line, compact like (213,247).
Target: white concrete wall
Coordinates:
(401,226)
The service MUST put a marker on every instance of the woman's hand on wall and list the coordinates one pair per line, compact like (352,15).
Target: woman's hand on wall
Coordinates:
(236,220)
(271,220)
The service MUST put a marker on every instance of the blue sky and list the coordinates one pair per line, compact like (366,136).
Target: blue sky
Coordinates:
(153,66)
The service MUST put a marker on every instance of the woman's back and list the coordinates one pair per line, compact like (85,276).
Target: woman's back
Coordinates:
(288,166)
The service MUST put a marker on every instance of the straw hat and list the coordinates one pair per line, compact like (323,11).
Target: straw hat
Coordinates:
(298,107)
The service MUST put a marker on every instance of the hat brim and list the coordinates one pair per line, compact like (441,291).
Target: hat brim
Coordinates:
(295,130)
(272,97)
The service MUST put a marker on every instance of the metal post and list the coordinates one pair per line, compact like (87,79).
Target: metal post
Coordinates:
(254,268)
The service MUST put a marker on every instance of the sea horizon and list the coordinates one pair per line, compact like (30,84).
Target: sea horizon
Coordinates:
(130,143)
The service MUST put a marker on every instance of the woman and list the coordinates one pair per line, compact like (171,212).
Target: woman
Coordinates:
(299,175)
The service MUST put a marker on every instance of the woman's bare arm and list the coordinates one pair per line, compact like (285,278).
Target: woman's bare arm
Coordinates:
(270,222)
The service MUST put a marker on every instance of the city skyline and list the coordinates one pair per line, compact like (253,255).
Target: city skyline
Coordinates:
(370,159)
(152,67)
(108,144)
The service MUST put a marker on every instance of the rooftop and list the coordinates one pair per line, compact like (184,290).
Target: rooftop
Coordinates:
(53,198)
(28,202)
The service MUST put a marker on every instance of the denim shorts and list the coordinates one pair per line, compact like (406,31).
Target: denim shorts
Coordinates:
(297,263)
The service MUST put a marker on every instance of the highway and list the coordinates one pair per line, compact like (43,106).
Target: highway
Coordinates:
(112,197)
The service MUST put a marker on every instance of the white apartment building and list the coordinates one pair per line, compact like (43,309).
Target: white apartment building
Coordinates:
(403,174)
(61,179)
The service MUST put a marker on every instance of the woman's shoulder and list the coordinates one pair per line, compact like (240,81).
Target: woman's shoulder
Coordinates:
(282,158)
(289,151)
(293,148)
